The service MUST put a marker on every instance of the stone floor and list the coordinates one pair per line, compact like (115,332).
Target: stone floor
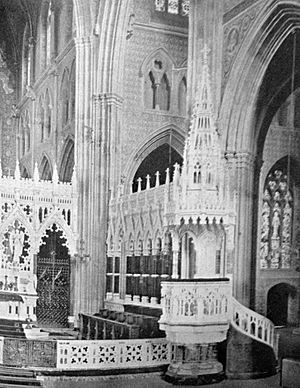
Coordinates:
(153,380)
(289,346)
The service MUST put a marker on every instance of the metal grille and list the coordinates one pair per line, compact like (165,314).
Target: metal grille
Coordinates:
(53,288)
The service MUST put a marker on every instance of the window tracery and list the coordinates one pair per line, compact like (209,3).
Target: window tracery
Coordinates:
(175,7)
(276,224)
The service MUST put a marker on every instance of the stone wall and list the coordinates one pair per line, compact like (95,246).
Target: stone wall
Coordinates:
(139,123)
(7,122)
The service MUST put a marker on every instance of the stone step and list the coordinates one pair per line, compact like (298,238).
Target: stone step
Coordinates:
(22,381)
(11,371)
(17,377)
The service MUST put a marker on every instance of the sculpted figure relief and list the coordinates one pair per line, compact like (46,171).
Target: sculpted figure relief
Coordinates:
(16,242)
(275,225)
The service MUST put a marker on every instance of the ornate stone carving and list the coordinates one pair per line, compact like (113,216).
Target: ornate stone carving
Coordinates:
(276,222)
(234,35)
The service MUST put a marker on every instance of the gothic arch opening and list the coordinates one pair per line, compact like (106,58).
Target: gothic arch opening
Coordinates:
(163,157)
(280,303)
(53,280)
(46,170)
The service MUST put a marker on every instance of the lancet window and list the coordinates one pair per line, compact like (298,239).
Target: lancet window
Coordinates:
(49,33)
(157,87)
(197,173)
(276,221)
(177,7)
(182,97)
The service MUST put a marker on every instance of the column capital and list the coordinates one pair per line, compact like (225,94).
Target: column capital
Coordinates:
(82,41)
(241,158)
(108,99)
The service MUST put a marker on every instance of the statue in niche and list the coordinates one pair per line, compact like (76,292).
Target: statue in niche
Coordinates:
(287,217)
(16,242)
(275,225)
(277,196)
(265,221)
(264,250)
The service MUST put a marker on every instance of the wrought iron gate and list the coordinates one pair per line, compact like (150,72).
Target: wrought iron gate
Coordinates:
(53,288)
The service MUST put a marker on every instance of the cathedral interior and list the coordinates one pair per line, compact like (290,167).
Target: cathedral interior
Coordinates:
(150,186)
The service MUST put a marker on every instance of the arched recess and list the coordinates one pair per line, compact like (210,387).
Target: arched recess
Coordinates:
(24,171)
(45,169)
(245,125)
(258,83)
(169,135)
(53,278)
(156,72)
(277,214)
(281,300)
(67,162)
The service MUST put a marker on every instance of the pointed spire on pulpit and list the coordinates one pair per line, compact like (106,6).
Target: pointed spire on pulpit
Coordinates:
(202,154)
(55,178)
(36,176)
(17,170)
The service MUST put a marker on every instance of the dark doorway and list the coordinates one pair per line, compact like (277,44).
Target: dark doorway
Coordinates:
(278,303)
(53,280)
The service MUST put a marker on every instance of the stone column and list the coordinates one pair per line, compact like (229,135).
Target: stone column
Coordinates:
(242,266)
(106,125)
(84,69)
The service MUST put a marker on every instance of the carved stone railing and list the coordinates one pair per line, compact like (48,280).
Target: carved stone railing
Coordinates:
(196,302)
(115,354)
(20,352)
(254,325)
(83,355)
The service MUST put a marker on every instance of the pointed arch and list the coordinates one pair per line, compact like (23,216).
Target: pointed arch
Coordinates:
(160,54)
(67,161)
(156,71)
(72,91)
(48,113)
(64,98)
(241,122)
(24,171)
(166,135)
(57,219)
(46,169)
(182,93)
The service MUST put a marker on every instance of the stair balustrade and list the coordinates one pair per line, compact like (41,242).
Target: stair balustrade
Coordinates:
(253,325)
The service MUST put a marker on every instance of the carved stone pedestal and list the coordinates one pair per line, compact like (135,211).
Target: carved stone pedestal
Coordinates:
(196,315)
(194,364)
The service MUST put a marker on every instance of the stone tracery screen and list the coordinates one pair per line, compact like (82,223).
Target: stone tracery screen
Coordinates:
(276,221)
